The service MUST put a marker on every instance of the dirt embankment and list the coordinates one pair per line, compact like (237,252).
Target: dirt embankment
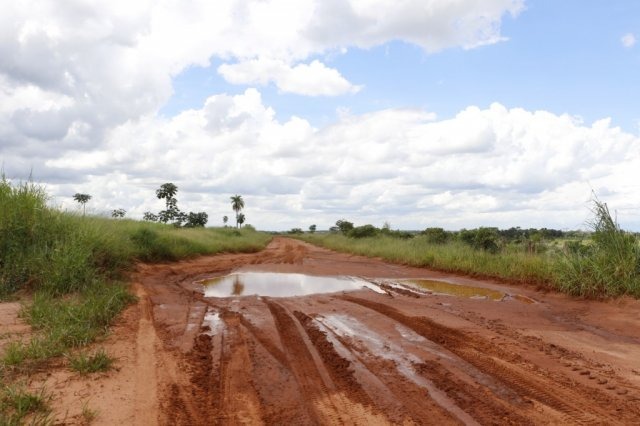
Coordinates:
(360,357)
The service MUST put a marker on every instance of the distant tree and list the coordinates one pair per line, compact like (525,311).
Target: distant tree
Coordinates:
(363,231)
(167,191)
(151,217)
(344,226)
(241,219)
(487,239)
(295,231)
(225,219)
(312,229)
(237,204)
(118,213)
(196,220)
(436,235)
(82,199)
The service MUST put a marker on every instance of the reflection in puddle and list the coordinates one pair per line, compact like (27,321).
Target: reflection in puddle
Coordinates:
(280,285)
(457,289)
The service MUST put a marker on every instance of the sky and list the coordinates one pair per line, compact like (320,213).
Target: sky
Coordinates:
(420,113)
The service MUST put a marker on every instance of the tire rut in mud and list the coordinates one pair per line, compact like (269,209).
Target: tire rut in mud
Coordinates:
(573,404)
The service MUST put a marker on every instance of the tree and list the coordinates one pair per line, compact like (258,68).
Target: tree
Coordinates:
(82,199)
(240,219)
(312,229)
(196,220)
(151,217)
(118,213)
(344,226)
(436,235)
(167,191)
(237,204)
(225,219)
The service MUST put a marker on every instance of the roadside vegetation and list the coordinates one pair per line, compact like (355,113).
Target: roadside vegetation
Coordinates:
(602,263)
(69,272)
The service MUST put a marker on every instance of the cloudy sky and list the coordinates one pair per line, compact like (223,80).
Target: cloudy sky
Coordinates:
(452,113)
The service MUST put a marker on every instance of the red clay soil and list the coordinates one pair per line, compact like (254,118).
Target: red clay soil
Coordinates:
(368,358)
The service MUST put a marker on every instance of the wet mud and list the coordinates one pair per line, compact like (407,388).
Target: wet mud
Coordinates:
(399,355)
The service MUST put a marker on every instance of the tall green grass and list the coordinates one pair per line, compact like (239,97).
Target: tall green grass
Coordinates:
(70,265)
(608,266)
(453,256)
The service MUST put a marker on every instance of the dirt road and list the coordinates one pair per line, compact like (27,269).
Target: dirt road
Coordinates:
(368,358)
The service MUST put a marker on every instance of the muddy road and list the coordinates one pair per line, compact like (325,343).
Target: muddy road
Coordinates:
(366,357)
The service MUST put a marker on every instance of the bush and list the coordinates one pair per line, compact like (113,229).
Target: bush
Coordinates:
(436,235)
(363,231)
(344,226)
(486,239)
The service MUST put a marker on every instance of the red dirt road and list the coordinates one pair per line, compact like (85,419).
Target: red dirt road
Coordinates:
(368,358)
(362,357)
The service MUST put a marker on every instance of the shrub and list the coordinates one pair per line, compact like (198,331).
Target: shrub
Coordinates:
(436,235)
(487,239)
(363,231)
(344,226)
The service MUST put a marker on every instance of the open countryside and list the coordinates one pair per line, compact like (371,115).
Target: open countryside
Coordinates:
(312,213)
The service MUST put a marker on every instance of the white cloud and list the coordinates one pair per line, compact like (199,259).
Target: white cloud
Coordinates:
(105,63)
(81,85)
(492,166)
(314,79)
(628,40)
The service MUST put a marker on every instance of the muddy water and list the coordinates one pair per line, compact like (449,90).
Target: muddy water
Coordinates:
(281,285)
(443,287)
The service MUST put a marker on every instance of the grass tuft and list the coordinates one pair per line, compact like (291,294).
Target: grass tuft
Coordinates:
(608,266)
(85,363)
(17,403)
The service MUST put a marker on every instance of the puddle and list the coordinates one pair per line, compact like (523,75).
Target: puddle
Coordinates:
(281,285)
(214,322)
(442,287)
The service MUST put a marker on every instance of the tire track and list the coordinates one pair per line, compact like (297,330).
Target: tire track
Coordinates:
(312,387)
(324,400)
(574,406)
(238,399)
(478,401)
(339,368)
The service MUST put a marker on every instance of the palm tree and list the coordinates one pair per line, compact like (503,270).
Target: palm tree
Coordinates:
(225,219)
(237,204)
(82,199)
(241,219)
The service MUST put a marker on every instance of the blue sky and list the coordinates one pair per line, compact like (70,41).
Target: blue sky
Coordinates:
(563,57)
(444,113)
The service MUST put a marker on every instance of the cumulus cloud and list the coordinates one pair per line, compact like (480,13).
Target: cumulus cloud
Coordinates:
(81,85)
(628,40)
(491,166)
(312,79)
(70,72)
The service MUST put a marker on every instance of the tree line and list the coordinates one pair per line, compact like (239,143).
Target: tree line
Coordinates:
(172,214)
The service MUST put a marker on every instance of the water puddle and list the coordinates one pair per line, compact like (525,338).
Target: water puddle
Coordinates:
(442,287)
(281,285)
(214,322)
